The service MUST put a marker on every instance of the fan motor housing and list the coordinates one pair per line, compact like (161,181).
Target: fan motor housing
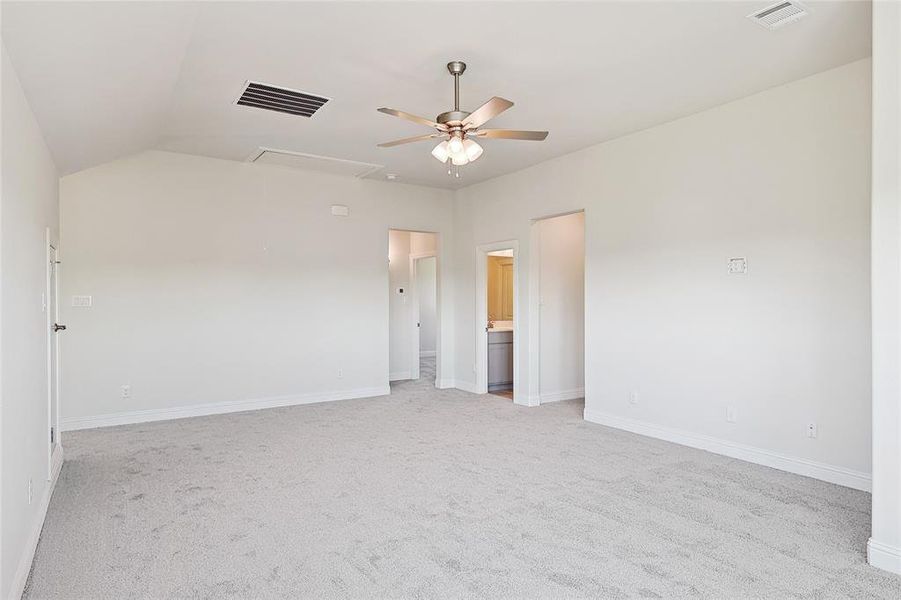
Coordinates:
(452,117)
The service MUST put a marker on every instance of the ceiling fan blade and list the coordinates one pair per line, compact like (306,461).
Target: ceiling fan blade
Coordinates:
(413,118)
(417,138)
(509,134)
(486,112)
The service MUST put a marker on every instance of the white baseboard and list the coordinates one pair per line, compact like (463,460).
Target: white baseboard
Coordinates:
(444,384)
(216,408)
(31,544)
(400,376)
(884,556)
(800,466)
(523,400)
(572,394)
(466,386)
(427,353)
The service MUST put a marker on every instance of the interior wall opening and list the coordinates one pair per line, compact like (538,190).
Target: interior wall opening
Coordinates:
(413,306)
(559,267)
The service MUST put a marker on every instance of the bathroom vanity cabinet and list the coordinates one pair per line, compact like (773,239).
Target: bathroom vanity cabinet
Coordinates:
(500,360)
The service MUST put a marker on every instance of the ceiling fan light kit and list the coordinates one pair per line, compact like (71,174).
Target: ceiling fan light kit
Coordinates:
(458,127)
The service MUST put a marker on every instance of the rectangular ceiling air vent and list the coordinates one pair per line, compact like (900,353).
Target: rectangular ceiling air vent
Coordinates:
(270,97)
(779,14)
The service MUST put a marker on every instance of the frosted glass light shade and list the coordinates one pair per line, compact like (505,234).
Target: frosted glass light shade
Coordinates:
(472,149)
(441,151)
(459,159)
(455,145)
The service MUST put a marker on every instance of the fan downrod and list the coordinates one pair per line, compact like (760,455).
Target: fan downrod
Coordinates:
(454,117)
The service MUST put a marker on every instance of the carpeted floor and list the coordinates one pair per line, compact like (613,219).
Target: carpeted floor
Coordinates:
(436,494)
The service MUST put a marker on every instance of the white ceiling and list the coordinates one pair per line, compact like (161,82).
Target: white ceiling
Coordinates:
(108,79)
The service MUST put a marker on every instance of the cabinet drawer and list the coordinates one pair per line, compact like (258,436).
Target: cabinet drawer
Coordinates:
(500,337)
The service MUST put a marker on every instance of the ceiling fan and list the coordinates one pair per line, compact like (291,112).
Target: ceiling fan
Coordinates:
(458,127)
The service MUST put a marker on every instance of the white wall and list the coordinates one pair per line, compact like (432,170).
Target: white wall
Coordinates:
(782,178)
(221,282)
(884,548)
(29,206)
(428,315)
(561,290)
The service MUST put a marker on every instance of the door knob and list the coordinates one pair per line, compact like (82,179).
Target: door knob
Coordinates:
(58,327)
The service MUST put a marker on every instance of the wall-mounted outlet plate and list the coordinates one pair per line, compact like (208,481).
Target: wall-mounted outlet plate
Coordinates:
(811,430)
(738,265)
(633,397)
(126,391)
(731,414)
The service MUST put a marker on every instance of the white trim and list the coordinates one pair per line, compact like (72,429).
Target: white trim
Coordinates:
(572,394)
(884,556)
(53,403)
(400,376)
(534,304)
(31,544)
(800,466)
(217,408)
(427,353)
(467,386)
(445,384)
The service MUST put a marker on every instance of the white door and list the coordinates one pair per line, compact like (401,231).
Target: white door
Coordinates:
(53,351)
(417,324)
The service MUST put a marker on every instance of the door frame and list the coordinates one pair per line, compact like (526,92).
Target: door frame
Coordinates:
(53,400)
(481,324)
(415,315)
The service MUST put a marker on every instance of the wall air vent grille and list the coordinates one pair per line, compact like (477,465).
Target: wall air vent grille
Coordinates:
(270,97)
(779,14)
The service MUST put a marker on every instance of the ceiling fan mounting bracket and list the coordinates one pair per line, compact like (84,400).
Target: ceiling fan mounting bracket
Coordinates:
(456,67)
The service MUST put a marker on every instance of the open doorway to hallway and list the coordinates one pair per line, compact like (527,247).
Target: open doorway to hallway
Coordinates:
(558,269)
(413,319)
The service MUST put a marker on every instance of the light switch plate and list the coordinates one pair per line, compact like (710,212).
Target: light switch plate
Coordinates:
(82,301)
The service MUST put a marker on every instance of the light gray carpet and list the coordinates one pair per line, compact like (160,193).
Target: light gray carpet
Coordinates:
(436,494)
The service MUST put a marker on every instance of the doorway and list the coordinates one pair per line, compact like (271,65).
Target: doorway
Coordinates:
(497,317)
(557,306)
(414,306)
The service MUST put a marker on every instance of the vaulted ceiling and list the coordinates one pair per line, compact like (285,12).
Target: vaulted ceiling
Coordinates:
(108,79)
